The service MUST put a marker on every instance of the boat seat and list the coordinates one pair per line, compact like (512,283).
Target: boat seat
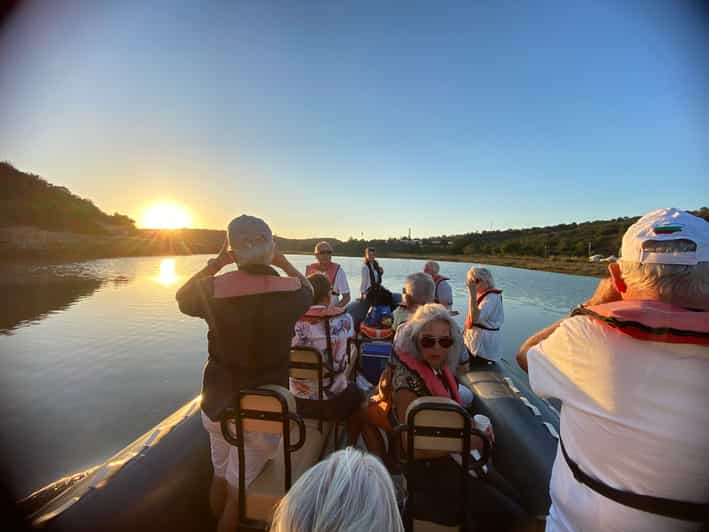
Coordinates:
(437,424)
(272,409)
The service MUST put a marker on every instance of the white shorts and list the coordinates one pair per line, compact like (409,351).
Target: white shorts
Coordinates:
(259,448)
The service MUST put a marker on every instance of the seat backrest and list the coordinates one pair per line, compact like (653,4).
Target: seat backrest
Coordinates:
(265,404)
(306,363)
(436,413)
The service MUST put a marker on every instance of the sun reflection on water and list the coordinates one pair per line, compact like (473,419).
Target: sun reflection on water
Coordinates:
(167,273)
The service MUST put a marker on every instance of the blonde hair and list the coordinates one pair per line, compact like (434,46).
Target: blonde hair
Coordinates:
(350,491)
(424,315)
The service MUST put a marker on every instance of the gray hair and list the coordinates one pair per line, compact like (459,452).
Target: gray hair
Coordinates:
(433,266)
(482,274)
(422,317)
(673,283)
(419,286)
(261,254)
(350,491)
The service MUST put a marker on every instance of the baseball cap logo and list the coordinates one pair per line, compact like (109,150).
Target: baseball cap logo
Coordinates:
(667,229)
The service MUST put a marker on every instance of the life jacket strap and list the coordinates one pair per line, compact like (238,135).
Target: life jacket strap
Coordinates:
(687,511)
(480,326)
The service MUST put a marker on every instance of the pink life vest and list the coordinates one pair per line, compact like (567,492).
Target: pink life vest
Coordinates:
(469,319)
(239,283)
(432,382)
(655,321)
(330,270)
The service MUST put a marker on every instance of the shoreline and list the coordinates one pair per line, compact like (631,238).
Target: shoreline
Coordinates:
(566,265)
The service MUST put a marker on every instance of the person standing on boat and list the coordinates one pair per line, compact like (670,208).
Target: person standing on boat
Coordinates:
(334,272)
(250,313)
(372,292)
(372,272)
(631,368)
(442,293)
(485,317)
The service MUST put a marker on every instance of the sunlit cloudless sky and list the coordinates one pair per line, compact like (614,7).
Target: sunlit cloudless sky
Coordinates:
(349,119)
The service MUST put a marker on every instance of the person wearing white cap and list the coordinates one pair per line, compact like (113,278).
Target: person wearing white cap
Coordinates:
(250,313)
(631,367)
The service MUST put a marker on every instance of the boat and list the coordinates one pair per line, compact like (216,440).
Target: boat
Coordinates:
(161,480)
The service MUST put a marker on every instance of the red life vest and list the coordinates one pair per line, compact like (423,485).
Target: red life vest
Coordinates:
(437,279)
(318,313)
(239,283)
(469,319)
(430,379)
(330,270)
(651,320)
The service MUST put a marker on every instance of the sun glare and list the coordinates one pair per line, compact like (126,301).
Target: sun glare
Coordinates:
(165,216)
(167,272)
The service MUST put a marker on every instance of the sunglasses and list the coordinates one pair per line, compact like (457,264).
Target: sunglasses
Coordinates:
(324,252)
(429,341)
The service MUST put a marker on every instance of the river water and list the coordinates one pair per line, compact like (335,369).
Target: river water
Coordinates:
(96,353)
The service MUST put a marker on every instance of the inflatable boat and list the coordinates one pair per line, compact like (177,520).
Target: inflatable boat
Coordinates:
(161,480)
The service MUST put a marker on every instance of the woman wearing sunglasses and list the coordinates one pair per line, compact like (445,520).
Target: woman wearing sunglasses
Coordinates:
(427,355)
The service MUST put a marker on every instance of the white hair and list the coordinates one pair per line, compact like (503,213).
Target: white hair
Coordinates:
(350,491)
(432,266)
(419,286)
(482,274)
(424,315)
(673,283)
(324,244)
(260,253)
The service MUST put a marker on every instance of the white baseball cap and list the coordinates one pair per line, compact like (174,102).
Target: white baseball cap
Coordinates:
(643,241)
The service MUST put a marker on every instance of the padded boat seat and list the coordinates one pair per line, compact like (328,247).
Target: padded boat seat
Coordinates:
(269,486)
(433,413)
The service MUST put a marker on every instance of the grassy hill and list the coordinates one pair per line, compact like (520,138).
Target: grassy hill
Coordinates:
(29,200)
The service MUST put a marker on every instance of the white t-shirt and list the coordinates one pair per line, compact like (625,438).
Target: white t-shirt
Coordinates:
(481,342)
(313,335)
(635,416)
(340,286)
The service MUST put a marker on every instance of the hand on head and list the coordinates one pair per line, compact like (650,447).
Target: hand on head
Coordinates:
(279,260)
(224,256)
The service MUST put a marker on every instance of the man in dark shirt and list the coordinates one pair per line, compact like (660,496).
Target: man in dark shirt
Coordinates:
(250,313)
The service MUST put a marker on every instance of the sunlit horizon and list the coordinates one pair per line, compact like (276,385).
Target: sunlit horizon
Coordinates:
(165,215)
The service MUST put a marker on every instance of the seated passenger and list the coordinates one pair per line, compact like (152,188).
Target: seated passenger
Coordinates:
(485,316)
(342,398)
(427,357)
(350,491)
(418,290)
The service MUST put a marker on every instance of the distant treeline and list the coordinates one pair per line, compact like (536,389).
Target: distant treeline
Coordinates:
(30,200)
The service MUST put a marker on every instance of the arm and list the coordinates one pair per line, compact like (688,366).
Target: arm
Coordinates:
(280,261)
(345,299)
(189,297)
(473,310)
(534,340)
(363,285)
(605,293)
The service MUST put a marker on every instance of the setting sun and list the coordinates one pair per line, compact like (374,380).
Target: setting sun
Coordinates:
(165,216)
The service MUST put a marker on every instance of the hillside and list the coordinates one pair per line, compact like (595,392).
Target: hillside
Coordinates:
(29,200)
(39,220)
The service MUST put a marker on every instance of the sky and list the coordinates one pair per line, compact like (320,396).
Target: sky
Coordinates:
(363,119)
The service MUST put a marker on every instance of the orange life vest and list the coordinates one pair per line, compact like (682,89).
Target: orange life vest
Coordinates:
(318,313)
(240,283)
(437,279)
(330,270)
(651,320)
(469,319)
(374,332)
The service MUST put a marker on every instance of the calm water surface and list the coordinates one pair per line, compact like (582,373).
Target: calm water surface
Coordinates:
(96,353)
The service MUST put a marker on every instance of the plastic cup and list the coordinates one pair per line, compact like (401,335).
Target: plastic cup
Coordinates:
(482,423)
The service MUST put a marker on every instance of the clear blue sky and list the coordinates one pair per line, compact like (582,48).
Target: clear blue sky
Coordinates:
(338,120)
